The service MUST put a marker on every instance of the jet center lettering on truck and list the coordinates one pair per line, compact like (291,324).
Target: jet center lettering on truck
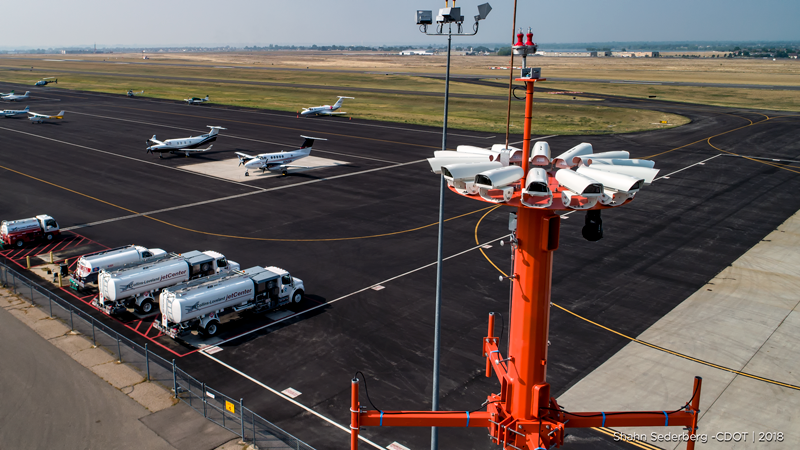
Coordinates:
(199,305)
(134,284)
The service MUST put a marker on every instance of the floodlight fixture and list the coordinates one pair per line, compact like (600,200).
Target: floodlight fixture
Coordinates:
(483,11)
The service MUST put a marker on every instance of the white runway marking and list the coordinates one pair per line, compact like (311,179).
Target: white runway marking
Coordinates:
(231,136)
(701,163)
(533,139)
(293,401)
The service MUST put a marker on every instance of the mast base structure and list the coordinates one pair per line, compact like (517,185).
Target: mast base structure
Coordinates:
(523,415)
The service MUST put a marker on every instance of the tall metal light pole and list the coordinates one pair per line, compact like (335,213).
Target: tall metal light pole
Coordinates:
(447,16)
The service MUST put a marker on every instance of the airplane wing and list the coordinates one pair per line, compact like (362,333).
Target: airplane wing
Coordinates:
(154,141)
(191,150)
(33,114)
(245,156)
(333,113)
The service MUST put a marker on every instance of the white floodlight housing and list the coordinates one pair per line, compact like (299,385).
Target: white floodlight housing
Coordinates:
(591,158)
(501,179)
(450,15)
(483,11)
(626,162)
(536,192)
(566,159)
(582,192)
(424,17)
(442,158)
(645,173)
(462,176)
(514,154)
(540,156)
(617,187)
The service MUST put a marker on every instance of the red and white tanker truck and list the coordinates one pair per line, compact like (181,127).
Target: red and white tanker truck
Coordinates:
(16,233)
(139,284)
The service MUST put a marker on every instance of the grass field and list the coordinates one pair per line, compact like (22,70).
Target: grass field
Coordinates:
(471,114)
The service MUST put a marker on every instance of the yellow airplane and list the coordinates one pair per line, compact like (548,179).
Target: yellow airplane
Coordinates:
(39,118)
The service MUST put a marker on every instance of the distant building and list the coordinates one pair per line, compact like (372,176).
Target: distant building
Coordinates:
(793,55)
(571,54)
(415,52)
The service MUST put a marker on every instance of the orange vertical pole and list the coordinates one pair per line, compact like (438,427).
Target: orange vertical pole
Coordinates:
(530,301)
(698,383)
(355,410)
(526,136)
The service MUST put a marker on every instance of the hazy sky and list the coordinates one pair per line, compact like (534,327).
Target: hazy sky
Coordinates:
(355,22)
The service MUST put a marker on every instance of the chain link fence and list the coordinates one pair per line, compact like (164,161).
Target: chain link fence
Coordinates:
(215,406)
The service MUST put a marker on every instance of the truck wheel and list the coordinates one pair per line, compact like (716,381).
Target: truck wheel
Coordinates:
(49,237)
(211,329)
(146,307)
(19,243)
(297,297)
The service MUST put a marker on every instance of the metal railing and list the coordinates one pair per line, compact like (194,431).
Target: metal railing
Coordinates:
(215,406)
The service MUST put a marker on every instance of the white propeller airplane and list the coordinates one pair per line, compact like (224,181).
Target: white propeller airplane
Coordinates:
(326,110)
(196,100)
(44,82)
(183,145)
(14,112)
(277,162)
(16,97)
(39,118)
(134,94)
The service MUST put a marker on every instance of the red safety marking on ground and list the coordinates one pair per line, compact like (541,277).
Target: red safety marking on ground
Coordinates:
(68,240)
(128,326)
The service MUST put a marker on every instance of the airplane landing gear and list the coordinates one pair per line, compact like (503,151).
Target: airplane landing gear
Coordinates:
(284,172)
(247,174)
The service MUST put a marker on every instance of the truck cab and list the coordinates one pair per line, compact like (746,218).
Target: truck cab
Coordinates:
(289,288)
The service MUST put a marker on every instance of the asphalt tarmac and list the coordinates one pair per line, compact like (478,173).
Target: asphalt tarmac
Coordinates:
(346,229)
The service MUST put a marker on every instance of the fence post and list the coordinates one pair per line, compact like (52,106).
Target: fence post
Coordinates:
(241,415)
(255,436)
(204,401)
(119,351)
(14,276)
(31,286)
(50,302)
(223,416)
(71,321)
(175,380)
(147,360)
(94,339)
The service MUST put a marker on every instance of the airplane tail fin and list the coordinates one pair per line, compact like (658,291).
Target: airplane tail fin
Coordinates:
(339,102)
(206,99)
(26,93)
(27,108)
(55,81)
(215,129)
(61,113)
(309,141)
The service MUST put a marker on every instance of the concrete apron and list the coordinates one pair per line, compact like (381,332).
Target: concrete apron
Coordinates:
(747,318)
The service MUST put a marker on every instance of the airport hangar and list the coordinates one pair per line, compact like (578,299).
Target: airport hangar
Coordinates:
(359,233)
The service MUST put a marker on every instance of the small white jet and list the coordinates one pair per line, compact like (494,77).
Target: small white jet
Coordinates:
(44,81)
(196,100)
(39,118)
(14,112)
(183,145)
(277,162)
(3,94)
(16,97)
(326,110)
(134,94)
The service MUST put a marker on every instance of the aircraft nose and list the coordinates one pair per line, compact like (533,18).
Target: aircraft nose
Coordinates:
(252,164)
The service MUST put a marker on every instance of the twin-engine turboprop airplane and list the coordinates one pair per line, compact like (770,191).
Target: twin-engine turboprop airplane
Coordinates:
(14,112)
(326,110)
(183,145)
(134,94)
(277,162)
(15,97)
(39,118)
(45,81)
(196,100)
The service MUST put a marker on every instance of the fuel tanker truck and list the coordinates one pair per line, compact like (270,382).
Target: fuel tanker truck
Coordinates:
(199,304)
(15,233)
(89,266)
(138,284)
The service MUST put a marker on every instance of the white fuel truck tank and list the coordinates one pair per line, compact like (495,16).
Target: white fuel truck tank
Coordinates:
(89,266)
(198,304)
(192,300)
(140,283)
